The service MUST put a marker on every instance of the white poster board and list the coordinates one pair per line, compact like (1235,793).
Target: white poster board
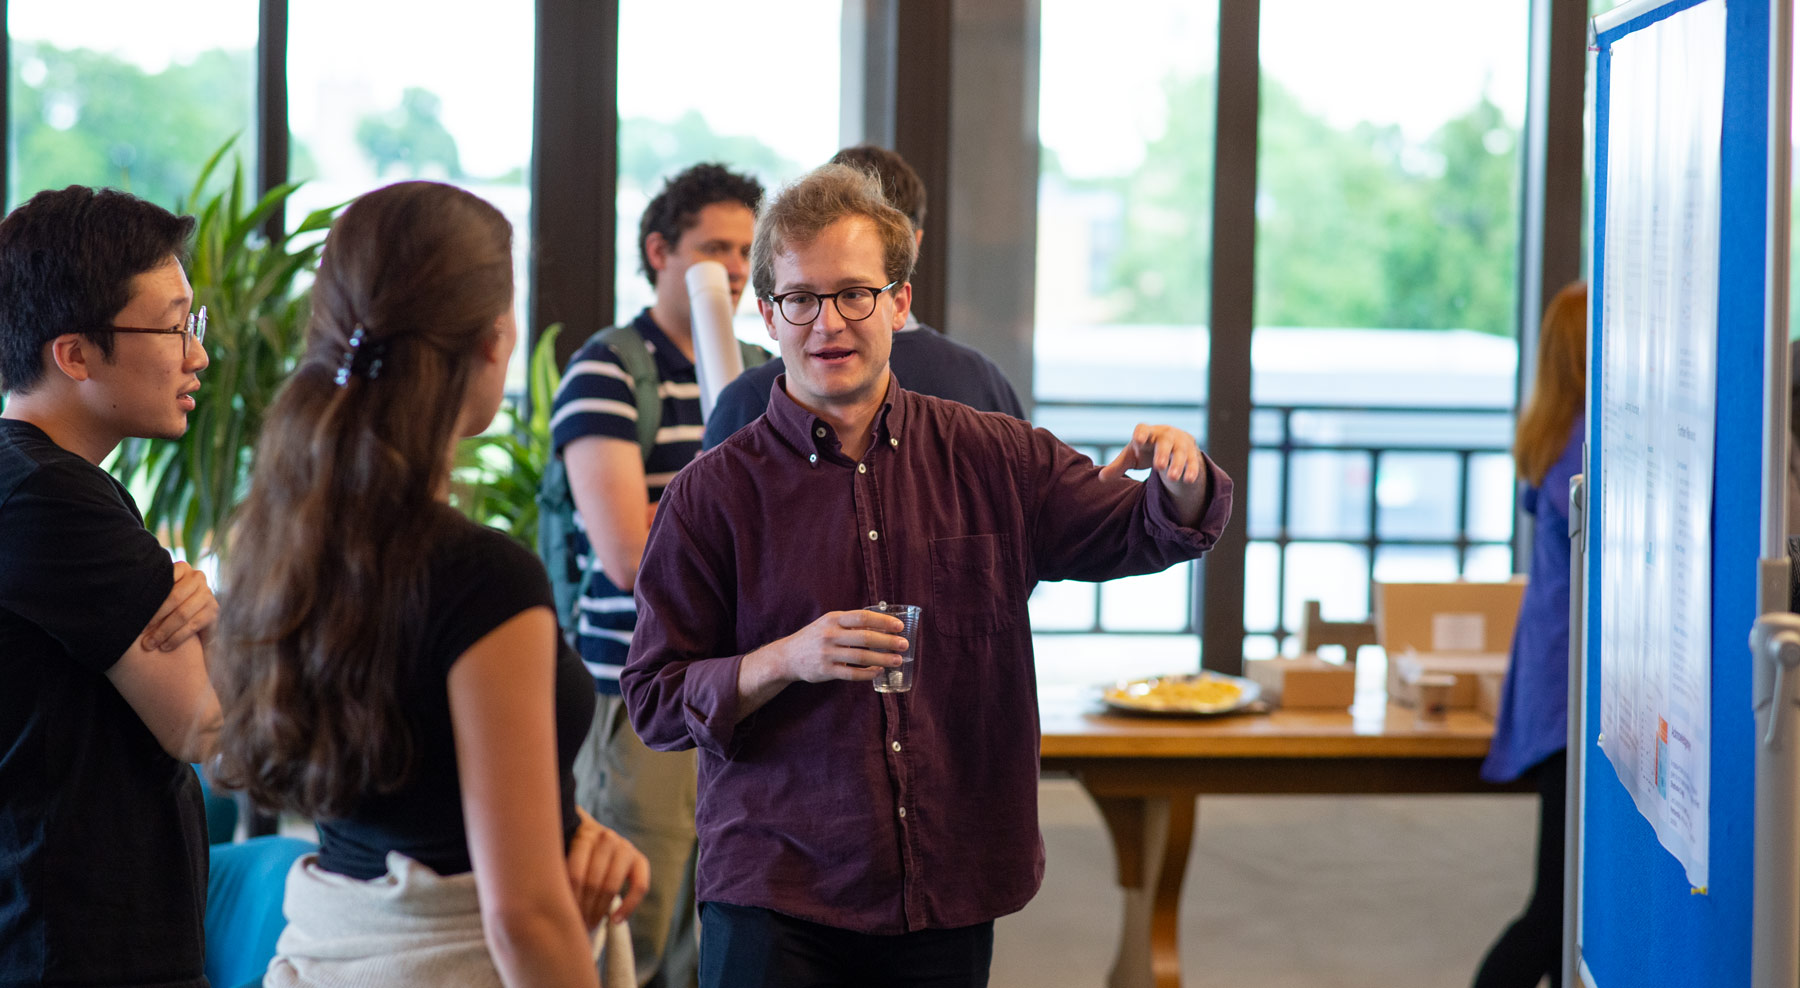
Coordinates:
(1659,351)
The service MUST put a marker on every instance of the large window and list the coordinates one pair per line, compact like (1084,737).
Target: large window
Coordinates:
(1387,216)
(379,92)
(1126,108)
(137,99)
(696,83)
(1384,361)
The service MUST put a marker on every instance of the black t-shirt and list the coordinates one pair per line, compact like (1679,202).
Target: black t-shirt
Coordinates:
(102,834)
(477,580)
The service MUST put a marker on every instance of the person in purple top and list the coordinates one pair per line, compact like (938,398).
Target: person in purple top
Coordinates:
(1531,733)
(849,837)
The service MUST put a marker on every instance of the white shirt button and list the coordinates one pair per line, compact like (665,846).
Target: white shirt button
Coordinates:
(892,441)
(872,535)
(812,458)
(903,811)
(896,746)
(862,468)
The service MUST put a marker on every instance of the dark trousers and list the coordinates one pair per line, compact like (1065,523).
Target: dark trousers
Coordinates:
(1532,946)
(746,947)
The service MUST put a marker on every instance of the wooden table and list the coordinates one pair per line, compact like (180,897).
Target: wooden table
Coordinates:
(1146,774)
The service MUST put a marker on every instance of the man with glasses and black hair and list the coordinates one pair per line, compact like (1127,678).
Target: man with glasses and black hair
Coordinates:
(926,360)
(106,698)
(850,836)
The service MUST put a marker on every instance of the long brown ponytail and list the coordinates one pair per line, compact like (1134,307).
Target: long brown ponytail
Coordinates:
(322,595)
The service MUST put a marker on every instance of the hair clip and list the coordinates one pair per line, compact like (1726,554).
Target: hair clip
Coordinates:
(359,358)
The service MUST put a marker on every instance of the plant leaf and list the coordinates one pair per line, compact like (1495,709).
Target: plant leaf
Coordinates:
(253,289)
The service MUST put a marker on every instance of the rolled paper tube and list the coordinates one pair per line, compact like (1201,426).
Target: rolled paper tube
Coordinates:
(716,353)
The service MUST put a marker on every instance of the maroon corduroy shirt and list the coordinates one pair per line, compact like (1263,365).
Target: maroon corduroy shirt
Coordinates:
(878,813)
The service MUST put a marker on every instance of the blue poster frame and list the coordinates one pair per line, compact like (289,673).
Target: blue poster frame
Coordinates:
(1641,925)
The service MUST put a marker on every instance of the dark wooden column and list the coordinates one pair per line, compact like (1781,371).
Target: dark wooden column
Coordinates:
(1219,592)
(271,170)
(908,111)
(991,240)
(1551,203)
(5,108)
(272,106)
(574,169)
(905,63)
(921,122)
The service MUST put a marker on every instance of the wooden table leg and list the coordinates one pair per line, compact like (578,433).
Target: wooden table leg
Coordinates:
(1151,836)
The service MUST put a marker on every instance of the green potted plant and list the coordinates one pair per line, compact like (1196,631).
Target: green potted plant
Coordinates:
(496,475)
(257,307)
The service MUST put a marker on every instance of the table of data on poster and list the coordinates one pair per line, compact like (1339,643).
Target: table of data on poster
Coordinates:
(1658,357)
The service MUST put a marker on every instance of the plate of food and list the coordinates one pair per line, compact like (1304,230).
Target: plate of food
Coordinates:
(1190,695)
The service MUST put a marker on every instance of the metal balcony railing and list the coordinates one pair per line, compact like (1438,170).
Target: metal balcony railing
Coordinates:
(1318,474)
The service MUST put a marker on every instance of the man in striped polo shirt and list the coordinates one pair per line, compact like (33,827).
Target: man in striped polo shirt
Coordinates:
(706,213)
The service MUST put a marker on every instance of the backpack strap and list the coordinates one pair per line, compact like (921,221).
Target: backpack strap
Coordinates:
(754,356)
(628,345)
(556,502)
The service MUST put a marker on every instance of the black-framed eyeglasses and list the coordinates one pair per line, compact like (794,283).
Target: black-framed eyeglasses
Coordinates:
(193,330)
(854,304)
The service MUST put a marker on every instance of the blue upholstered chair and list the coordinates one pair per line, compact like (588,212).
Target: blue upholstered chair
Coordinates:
(243,906)
(243,895)
(221,813)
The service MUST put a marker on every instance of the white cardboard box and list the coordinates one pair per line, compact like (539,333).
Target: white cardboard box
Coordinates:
(1467,669)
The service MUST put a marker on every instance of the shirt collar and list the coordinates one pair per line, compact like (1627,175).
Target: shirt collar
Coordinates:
(812,436)
(30,430)
(667,353)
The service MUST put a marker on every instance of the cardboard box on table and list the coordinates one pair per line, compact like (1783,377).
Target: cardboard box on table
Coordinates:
(1466,671)
(1462,629)
(1305,682)
(1487,695)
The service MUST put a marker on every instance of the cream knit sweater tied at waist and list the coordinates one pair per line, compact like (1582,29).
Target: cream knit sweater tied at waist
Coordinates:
(411,926)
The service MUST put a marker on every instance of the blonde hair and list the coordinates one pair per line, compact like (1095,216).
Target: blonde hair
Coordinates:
(1559,392)
(818,199)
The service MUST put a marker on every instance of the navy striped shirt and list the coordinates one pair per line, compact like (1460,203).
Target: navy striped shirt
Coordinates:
(597,398)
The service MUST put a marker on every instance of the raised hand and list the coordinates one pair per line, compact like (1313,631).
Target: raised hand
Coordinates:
(1175,457)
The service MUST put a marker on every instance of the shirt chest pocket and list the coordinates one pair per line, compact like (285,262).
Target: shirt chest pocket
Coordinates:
(971,589)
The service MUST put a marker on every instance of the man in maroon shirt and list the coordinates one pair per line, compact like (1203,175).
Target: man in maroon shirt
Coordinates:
(848,836)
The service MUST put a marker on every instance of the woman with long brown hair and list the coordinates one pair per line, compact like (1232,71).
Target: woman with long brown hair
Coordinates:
(1532,730)
(392,669)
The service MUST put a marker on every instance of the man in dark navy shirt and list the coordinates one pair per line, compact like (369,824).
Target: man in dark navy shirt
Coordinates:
(105,697)
(849,836)
(924,359)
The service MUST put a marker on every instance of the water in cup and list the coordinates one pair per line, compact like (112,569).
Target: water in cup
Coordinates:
(900,680)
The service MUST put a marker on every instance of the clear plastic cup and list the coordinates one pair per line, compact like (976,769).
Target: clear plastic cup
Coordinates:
(900,680)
